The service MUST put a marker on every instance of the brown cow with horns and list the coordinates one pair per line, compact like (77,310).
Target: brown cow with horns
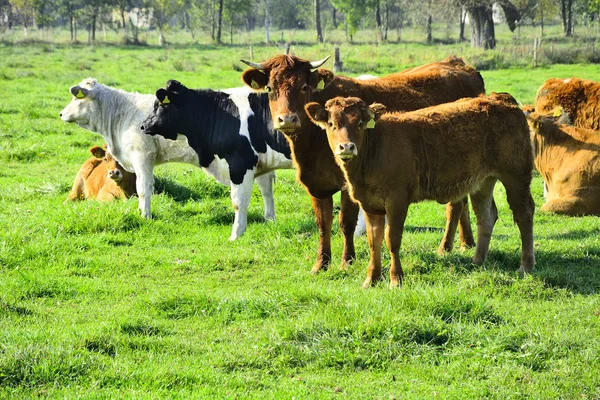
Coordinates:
(395,159)
(292,82)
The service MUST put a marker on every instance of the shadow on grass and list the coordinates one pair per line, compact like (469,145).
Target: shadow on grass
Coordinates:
(179,193)
(575,234)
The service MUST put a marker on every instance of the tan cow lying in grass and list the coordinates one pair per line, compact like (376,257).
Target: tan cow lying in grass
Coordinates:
(568,159)
(101,177)
(440,153)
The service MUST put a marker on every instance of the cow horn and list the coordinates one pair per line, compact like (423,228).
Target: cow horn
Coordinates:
(258,66)
(317,64)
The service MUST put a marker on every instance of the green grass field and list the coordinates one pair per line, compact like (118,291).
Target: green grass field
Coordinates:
(96,302)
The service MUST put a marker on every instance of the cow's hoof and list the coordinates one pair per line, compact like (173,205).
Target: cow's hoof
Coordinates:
(367,283)
(318,267)
(270,217)
(395,283)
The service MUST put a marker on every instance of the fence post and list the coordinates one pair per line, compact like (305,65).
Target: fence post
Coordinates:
(287,49)
(251,53)
(338,66)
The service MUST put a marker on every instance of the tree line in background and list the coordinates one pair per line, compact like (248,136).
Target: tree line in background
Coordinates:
(222,18)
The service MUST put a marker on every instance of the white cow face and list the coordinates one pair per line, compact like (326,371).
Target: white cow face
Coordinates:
(82,109)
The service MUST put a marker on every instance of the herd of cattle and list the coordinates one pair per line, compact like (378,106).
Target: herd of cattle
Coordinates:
(426,133)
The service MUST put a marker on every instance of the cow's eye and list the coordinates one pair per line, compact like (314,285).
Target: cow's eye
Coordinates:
(330,124)
(304,88)
(267,89)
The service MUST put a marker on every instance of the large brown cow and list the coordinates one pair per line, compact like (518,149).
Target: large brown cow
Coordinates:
(568,159)
(101,177)
(406,158)
(292,82)
(579,98)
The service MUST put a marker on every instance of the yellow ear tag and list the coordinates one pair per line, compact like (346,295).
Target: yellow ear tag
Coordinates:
(371,124)
(166,100)
(80,94)
(321,85)
(254,84)
(557,112)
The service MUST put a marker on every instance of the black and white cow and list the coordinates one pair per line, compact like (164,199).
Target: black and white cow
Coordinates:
(231,131)
(117,115)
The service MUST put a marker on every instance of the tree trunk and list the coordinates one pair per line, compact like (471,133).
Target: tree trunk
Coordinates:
(219,21)
(378,21)
(267,22)
(463,18)
(387,21)
(482,27)
(94,18)
(429,34)
(25,28)
(123,22)
(541,20)
(161,38)
(566,13)
(318,20)
(333,17)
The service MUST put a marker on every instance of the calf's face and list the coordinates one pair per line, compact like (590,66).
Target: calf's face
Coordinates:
(165,117)
(114,170)
(345,121)
(81,109)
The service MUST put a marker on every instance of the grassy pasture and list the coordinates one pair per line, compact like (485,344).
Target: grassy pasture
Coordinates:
(96,302)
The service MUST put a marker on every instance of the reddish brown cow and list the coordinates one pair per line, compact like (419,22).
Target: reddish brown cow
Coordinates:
(101,177)
(291,83)
(568,159)
(406,158)
(579,98)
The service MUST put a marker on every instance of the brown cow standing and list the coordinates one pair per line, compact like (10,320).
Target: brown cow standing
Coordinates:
(579,98)
(440,153)
(291,83)
(101,177)
(568,159)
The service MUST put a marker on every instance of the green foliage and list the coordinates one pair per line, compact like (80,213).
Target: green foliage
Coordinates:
(96,302)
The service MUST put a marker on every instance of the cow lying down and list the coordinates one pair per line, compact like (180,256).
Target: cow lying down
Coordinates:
(232,133)
(117,115)
(568,159)
(437,153)
(101,177)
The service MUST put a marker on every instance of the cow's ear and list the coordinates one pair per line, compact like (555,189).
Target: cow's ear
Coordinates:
(165,97)
(527,109)
(317,114)
(174,86)
(255,78)
(561,116)
(320,78)
(98,152)
(79,92)
(533,119)
(374,111)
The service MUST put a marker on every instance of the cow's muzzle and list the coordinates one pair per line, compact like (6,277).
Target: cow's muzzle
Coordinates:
(115,175)
(346,151)
(287,122)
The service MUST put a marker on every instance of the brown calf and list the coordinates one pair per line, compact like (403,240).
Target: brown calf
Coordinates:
(568,159)
(291,83)
(579,98)
(407,158)
(101,177)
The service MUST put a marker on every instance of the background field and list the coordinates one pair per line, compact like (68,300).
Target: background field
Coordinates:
(96,302)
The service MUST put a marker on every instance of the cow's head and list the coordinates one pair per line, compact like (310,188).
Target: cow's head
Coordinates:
(115,171)
(290,81)
(345,120)
(165,118)
(83,108)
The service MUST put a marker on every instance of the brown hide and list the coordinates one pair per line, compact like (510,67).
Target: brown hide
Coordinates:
(93,179)
(568,159)
(579,98)
(291,84)
(440,153)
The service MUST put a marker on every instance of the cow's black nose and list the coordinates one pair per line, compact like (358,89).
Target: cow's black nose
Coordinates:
(60,115)
(142,127)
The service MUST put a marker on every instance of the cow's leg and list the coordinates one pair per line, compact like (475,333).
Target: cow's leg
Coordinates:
(487,214)
(465,231)
(144,183)
(518,195)
(265,184)
(77,192)
(457,214)
(240,197)
(375,228)
(393,235)
(323,209)
(348,216)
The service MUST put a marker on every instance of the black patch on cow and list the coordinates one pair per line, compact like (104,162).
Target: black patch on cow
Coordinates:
(211,122)
(261,129)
